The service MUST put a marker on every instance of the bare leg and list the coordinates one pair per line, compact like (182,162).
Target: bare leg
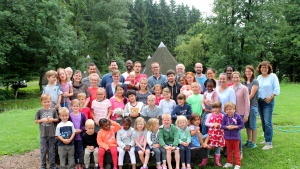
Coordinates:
(249,134)
(147,156)
(177,158)
(141,155)
(169,160)
(254,133)
(133,166)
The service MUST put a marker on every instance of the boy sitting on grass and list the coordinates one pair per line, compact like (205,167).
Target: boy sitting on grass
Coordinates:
(46,117)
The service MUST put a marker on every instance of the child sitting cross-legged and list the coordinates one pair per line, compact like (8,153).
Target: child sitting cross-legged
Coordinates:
(168,139)
(89,142)
(126,142)
(107,141)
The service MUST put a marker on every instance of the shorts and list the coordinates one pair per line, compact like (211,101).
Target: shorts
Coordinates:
(251,123)
(138,148)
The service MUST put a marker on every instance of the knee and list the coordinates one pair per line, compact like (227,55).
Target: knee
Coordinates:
(140,153)
(147,152)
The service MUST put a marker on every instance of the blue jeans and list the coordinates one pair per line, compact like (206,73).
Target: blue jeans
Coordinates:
(204,129)
(65,104)
(251,123)
(185,154)
(266,112)
(78,149)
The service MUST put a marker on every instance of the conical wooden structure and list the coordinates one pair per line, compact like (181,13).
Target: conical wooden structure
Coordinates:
(162,56)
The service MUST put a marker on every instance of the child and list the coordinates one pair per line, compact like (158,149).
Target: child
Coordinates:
(89,143)
(151,110)
(126,142)
(152,140)
(216,134)
(78,119)
(140,139)
(232,123)
(100,107)
(195,100)
(184,136)
(106,140)
(94,81)
(130,81)
(82,108)
(46,117)
(167,105)
(182,108)
(168,139)
(157,91)
(65,133)
(118,101)
(197,138)
(209,96)
(182,80)
(53,89)
(133,108)
(64,82)
(143,92)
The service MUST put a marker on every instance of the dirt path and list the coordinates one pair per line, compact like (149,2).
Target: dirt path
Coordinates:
(30,160)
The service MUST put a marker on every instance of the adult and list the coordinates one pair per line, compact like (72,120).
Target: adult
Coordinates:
(225,93)
(69,73)
(267,90)
(252,84)
(180,71)
(107,78)
(157,77)
(111,87)
(200,77)
(211,74)
(129,68)
(91,69)
(242,106)
(80,87)
(228,70)
(172,84)
(137,68)
(187,89)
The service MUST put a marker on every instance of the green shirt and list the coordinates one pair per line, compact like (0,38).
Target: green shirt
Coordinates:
(168,136)
(195,101)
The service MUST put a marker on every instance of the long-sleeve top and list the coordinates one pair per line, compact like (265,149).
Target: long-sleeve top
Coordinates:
(227,95)
(152,138)
(235,120)
(213,99)
(268,85)
(80,88)
(184,135)
(184,110)
(168,136)
(110,92)
(106,138)
(107,78)
(152,80)
(242,100)
(115,103)
(175,89)
(89,140)
(125,137)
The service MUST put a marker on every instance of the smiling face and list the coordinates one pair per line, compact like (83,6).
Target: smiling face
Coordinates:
(143,84)
(75,108)
(140,126)
(223,80)
(182,124)
(46,102)
(190,79)
(166,121)
(198,68)
(195,88)
(92,69)
(216,110)
(113,66)
(132,98)
(126,125)
(171,78)
(64,116)
(155,68)
(77,77)
(209,87)
(119,91)
(229,110)
(52,79)
(116,78)
(248,73)
(264,70)
(167,96)
(106,126)
(62,75)
(229,71)
(236,78)
(129,65)
(100,94)
(157,90)
(90,129)
(137,67)
(197,121)
(210,74)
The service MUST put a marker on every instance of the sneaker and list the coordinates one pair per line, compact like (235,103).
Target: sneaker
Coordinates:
(247,143)
(252,145)
(210,156)
(237,167)
(263,142)
(267,147)
(241,155)
(227,165)
(144,167)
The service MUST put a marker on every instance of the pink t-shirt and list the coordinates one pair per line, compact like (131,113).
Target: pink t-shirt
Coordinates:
(101,108)
(115,103)
(65,88)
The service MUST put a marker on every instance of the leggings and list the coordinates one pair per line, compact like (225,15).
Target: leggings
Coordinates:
(114,154)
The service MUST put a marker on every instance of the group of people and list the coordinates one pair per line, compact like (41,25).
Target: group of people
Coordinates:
(96,115)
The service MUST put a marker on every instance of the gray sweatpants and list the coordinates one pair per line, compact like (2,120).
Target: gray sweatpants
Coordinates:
(64,152)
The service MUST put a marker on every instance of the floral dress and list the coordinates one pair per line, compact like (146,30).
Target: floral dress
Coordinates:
(216,135)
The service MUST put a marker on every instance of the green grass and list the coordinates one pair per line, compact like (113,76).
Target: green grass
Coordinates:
(19,134)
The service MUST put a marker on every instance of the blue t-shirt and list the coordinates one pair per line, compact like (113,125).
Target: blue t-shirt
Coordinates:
(65,130)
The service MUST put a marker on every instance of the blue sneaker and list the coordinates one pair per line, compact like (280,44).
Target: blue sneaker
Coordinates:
(247,143)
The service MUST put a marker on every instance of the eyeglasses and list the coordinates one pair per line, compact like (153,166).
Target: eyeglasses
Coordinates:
(100,94)
(155,67)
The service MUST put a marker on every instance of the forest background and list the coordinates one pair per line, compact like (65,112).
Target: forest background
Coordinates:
(38,35)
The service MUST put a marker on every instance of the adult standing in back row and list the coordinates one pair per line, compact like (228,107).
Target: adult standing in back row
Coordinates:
(157,77)
(200,77)
(267,90)
(107,78)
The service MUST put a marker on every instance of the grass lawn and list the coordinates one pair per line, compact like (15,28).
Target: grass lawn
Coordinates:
(20,134)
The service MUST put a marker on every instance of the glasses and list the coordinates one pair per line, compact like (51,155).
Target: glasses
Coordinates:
(155,67)
(100,94)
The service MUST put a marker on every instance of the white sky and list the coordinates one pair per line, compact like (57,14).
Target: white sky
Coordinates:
(205,6)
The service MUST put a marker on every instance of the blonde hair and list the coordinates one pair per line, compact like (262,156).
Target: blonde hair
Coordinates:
(132,73)
(196,84)
(81,95)
(151,122)
(181,118)
(89,122)
(229,105)
(139,120)
(100,89)
(58,77)
(94,75)
(166,115)
(151,96)
(45,96)
(75,101)
(51,73)
(63,110)
(114,72)
(166,90)
(143,78)
(157,86)
(235,73)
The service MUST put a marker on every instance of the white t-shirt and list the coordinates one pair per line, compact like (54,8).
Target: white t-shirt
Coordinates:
(101,108)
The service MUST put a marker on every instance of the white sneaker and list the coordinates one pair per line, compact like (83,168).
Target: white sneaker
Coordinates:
(227,165)
(237,167)
(263,142)
(267,147)
(241,155)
